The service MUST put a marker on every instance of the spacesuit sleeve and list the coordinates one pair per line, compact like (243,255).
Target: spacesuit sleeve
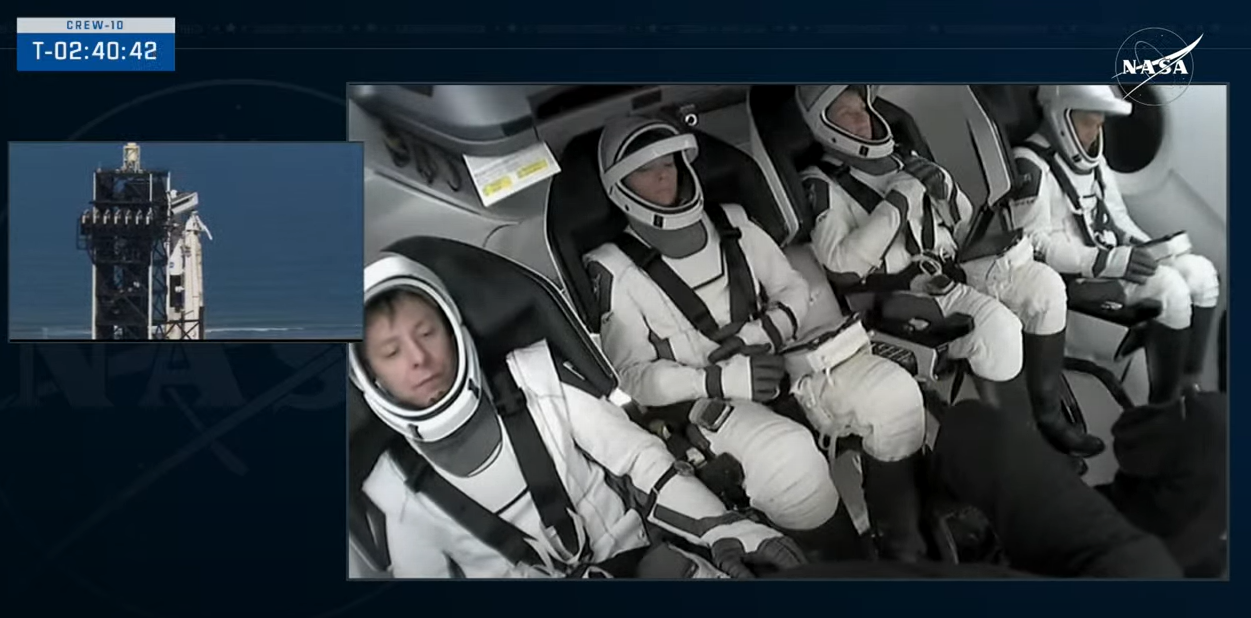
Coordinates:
(1040,207)
(412,539)
(1118,210)
(785,287)
(842,247)
(651,380)
(679,504)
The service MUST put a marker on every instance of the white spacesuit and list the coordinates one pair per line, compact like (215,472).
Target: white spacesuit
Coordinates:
(698,303)
(1073,209)
(513,475)
(894,223)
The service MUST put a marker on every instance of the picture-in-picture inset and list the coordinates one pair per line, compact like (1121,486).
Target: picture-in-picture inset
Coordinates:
(185,241)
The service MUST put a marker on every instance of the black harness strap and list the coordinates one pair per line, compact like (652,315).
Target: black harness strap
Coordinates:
(743,299)
(869,199)
(537,468)
(542,481)
(488,527)
(1103,217)
(743,304)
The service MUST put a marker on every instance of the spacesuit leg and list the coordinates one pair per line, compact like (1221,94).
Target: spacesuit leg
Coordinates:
(994,350)
(1169,333)
(1037,295)
(785,475)
(1205,289)
(879,401)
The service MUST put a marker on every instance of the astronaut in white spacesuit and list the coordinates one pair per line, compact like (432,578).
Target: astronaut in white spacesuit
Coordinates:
(702,314)
(1073,208)
(508,475)
(894,223)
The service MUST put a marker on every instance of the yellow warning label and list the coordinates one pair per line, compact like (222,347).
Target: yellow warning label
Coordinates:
(532,168)
(498,185)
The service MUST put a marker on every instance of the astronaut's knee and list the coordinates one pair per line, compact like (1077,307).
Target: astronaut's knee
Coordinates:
(894,414)
(998,353)
(1201,278)
(788,479)
(1045,302)
(1169,287)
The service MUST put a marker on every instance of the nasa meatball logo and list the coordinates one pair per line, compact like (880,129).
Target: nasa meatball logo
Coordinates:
(1158,57)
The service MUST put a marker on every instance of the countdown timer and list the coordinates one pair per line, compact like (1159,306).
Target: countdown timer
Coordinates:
(96,44)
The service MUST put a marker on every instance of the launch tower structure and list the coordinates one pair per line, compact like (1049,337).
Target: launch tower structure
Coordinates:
(143,239)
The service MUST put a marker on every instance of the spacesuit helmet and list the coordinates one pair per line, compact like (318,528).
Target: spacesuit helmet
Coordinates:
(1060,103)
(815,103)
(663,154)
(418,368)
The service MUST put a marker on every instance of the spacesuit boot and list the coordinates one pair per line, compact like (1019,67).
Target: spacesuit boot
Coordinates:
(1201,320)
(1044,373)
(836,539)
(1012,397)
(893,497)
(1165,366)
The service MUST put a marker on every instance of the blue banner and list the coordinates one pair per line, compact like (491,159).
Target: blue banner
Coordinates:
(95,52)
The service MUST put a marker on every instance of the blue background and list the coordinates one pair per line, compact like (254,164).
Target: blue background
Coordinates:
(117,501)
(286,219)
(155,52)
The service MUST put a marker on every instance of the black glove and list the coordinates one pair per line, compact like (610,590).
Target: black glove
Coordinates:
(931,176)
(756,378)
(1141,266)
(778,552)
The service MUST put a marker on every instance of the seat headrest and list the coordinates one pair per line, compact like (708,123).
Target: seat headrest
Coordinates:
(731,176)
(1014,108)
(788,146)
(580,218)
(507,306)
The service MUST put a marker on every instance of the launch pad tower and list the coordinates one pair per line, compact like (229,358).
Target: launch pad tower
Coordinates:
(143,239)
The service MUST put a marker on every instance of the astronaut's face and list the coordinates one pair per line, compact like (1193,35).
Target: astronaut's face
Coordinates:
(656,182)
(410,349)
(1087,125)
(850,113)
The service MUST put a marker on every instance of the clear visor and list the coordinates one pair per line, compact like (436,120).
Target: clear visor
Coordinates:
(879,130)
(412,355)
(658,173)
(1086,127)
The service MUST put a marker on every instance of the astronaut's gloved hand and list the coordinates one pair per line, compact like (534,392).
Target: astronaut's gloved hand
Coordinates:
(736,345)
(1142,265)
(1133,264)
(930,175)
(756,378)
(739,546)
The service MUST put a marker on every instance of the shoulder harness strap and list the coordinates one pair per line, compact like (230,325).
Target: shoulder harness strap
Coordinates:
(540,474)
(868,198)
(743,304)
(1103,218)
